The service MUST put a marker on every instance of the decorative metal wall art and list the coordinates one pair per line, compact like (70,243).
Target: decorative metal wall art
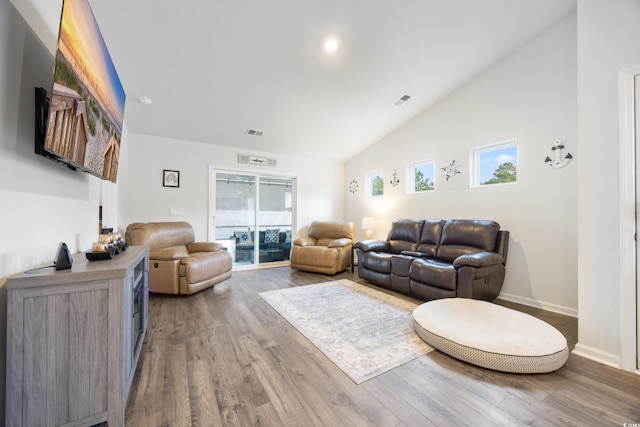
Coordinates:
(394,179)
(450,170)
(353,186)
(558,161)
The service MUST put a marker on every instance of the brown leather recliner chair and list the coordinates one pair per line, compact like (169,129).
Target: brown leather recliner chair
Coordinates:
(327,249)
(178,264)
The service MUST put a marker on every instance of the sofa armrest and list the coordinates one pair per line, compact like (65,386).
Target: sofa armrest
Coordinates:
(417,254)
(305,241)
(204,247)
(338,243)
(373,245)
(478,259)
(169,253)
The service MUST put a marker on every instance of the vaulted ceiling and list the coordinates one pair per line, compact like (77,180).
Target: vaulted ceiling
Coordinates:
(215,69)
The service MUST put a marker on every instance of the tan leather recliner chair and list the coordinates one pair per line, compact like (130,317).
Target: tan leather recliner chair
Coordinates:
(327,249)
(177,264)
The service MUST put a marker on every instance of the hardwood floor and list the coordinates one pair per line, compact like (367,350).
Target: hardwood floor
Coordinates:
(223,357)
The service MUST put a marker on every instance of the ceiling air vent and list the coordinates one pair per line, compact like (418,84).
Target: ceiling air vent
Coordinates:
(257,160)
(404,98)
(254,132)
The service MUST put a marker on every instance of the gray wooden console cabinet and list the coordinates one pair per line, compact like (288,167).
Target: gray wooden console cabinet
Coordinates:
(73,340)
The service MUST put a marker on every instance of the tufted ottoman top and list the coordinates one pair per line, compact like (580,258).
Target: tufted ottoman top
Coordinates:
(491,336)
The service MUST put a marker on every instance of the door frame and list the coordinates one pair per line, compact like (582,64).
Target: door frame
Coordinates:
(629,292)
(211,220)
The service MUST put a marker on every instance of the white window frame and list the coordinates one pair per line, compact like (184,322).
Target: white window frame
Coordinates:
(369,183)
(474,161)
(411,175)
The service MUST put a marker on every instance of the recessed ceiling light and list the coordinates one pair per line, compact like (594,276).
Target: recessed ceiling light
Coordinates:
(331,44)
(145,100)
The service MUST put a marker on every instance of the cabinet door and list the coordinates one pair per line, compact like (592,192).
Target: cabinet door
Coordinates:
(64,356)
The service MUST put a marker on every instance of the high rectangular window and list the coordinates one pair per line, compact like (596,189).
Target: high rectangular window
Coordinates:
(421,176)
(375,184)
(495,164)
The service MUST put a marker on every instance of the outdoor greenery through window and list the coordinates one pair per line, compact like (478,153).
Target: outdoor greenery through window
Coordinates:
(495,164)
(421,176)
(375,184)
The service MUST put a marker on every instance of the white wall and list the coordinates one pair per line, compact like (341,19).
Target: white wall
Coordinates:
(42,203)
(608,35)
(144,199)
(530,95)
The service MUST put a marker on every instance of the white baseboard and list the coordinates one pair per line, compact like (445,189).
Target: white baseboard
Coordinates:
(582,350)
(573,312)
(598,355)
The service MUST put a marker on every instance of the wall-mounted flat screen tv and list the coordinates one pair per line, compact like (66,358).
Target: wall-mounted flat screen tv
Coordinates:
(79,118)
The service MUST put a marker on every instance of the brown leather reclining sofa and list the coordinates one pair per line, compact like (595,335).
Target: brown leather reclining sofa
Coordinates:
(178,264)
(431,259)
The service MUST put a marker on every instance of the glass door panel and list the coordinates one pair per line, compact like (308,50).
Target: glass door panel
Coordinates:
(274,219)
(235,216)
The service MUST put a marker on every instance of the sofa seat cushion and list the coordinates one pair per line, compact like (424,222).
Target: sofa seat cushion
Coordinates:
(315,255)
(204,247)
(202,266)
(169,253)
(491,336)
(377,261)
(434,272)
(400,265)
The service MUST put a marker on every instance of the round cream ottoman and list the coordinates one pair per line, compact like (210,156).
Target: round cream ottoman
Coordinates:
(491,336)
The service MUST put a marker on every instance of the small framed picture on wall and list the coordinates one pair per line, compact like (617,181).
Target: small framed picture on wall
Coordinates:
(170,178)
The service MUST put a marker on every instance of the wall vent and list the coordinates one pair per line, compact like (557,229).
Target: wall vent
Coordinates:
(404,98)
(257,160)
(254,132)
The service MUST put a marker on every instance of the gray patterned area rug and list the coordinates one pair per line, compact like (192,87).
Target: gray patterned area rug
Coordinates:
(363,331)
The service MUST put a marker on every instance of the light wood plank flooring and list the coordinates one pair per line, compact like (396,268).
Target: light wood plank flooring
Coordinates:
(223,357)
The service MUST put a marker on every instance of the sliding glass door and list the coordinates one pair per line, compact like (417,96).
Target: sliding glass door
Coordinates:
(252,217)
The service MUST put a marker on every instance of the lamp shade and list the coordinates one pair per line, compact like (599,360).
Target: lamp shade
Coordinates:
(368,223)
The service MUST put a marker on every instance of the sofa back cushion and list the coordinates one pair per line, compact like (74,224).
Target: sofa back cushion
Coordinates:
(430,237)
(243,238)
(405,235)
(159,235)
(326,232)
(465,236)
(272,235)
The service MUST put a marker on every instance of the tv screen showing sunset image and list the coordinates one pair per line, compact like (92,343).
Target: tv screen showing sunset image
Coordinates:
(87,101)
